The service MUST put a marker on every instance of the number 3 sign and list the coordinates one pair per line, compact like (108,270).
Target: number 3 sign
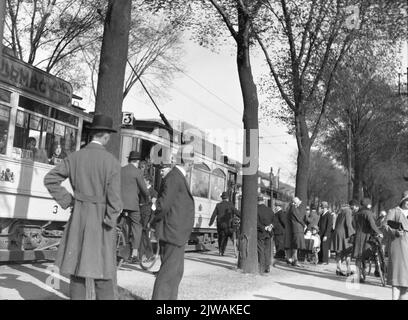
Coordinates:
(127,118)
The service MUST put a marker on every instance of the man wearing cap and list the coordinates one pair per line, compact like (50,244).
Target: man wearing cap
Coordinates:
(88,246)
(264,227)
(365,227)
(133,184)
(343,230)
(325,228)
(396,229)
(224,212)
(174,219)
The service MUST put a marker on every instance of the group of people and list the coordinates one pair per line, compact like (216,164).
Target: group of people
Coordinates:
(102,190)
(347,233)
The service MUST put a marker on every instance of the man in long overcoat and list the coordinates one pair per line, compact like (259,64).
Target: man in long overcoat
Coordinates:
(174,222)
(296,217)
(224,212)
(133,184)
(343,230)
(264,228)
(325,229)
(87,248)
(365,227)
(279,232)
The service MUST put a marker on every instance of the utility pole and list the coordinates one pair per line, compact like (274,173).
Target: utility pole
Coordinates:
(112,66)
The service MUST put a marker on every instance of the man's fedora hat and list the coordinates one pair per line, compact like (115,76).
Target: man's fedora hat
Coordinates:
(224,195)
(404,196)
(133,155)
(102,123)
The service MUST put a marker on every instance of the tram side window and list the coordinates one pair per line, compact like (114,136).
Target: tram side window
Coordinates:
(217,184)
(42,140)
(4,124)
(200,181)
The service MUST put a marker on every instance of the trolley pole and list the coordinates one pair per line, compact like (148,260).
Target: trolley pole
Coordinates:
(2,19)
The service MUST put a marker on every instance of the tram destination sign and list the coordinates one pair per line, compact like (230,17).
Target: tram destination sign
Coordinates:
(35,81)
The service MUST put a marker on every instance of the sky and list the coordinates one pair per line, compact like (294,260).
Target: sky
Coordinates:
(208,95)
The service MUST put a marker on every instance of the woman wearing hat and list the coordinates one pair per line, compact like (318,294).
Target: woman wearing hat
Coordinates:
(398,262)
(365,227)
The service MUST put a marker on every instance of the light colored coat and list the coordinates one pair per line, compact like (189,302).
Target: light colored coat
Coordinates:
(397,274)
(88,246)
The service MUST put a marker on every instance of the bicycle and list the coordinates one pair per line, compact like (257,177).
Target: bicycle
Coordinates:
(148,252)
(374,256)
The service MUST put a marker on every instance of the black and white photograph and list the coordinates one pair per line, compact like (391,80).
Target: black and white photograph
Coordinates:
(204,157)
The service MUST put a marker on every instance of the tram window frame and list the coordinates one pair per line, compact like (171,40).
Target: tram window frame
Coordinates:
(204,171)
(5,95)
(47,138)
(4,130)
(220,175)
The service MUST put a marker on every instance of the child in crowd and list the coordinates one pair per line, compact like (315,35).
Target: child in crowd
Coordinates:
(313,235)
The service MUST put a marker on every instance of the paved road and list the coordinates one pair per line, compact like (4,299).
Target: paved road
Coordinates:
(207,276)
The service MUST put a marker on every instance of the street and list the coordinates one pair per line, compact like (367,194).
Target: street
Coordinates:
(206,276)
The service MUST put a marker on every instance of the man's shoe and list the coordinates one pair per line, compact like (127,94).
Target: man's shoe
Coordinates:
(268,269)
(296,264)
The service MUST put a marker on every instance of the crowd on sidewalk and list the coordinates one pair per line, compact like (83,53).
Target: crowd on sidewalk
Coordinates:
(312,234)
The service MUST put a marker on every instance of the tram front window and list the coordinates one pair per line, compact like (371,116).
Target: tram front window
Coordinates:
(42,140)
(4,123)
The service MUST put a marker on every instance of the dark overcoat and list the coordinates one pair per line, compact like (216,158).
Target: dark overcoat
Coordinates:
(175,209)
(132,184)
(279,229)
(88,246)
(397,272)
(297,223)
(343,230)
(325,225)
(224,212)
(365,227)
(265,218)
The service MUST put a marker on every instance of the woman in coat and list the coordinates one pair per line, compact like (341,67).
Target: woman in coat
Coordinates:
(365,227)
(296,217)
(398,262)
(343,230)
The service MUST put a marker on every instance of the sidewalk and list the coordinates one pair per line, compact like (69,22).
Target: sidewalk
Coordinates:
(209,276)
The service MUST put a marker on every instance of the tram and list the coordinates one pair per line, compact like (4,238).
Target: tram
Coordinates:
(39,126)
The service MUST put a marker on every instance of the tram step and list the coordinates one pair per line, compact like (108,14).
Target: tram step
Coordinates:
(27,255)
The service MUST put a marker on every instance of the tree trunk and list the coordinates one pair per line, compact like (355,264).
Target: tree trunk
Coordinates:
(111,77)
(248,257)
(112,66)
(303,158)
(357,181)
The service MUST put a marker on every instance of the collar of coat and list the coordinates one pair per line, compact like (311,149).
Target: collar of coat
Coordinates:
(95,145)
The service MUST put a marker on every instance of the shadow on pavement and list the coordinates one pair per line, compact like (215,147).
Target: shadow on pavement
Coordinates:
(130,267)
(320,274)
(27,290)
(217,263)
(332,293)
